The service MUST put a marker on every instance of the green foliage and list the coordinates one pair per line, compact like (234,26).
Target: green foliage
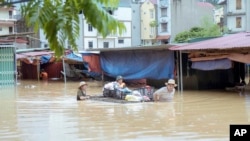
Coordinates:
(196,29)
(182,37)
(207,29)
(60,21)
(153,24)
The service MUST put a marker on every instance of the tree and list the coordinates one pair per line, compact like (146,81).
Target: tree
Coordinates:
(60,21)
(206,29)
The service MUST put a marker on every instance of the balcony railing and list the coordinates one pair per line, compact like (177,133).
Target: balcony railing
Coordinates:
(230,13)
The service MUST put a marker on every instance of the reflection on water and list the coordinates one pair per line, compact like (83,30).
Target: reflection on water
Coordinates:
(48,111)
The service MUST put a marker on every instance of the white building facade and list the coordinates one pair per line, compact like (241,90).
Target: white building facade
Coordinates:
(218,15)
(7,20)
(236,15)
(91,39)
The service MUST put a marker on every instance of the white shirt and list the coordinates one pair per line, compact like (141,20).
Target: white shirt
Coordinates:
(164,94)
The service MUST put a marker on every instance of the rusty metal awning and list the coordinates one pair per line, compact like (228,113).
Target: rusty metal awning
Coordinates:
(163,37)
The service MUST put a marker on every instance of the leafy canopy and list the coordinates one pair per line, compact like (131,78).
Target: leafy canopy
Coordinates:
(206,29)
(59,19)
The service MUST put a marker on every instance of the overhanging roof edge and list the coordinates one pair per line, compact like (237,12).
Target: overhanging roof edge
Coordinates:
(156,47)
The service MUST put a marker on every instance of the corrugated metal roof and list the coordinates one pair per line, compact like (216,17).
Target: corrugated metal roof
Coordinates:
(20,56)
(163,37)
(155,47)
(13,40)
(40,53)
(230,41)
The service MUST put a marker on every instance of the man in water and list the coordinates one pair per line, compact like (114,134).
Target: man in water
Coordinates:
(165,93)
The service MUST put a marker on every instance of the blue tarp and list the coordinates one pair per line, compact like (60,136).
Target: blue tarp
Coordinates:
(74,57)
(153,64)
(212,64)
(45,59)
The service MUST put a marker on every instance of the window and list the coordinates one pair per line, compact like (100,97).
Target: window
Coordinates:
(90,28)
(238,22)
(238,4)
(164,27)
(10,29)
(1,29)
(106,44)
(152,30)
(90,44)
(120,41)
(164,12)
(10,14)
(151,13)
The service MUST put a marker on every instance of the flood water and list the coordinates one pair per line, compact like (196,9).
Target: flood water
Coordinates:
(39,111)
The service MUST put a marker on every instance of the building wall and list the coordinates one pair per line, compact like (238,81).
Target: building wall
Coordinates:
(231,24)
(126,42)
(233,14)
(147,16)
(164,17)
(4,30)
(4,13)
(136,25)
(123,14)
(187,14)
(97,39)
(6,21)
(111,42)
(218,14)
(87,40)
(247,15)
(128,33)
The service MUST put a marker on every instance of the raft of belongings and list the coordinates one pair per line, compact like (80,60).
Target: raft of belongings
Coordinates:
(111,100)
(142,94)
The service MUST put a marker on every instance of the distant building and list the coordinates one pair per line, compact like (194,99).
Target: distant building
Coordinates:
(164,21)
(13,29)
(172,17)
(187,14)
(136,24)
(148,22)
(92,39)
(7,20)
(236,15)
(218,15)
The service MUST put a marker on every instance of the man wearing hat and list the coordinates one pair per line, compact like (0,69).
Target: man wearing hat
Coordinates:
(165,93)
(81,93)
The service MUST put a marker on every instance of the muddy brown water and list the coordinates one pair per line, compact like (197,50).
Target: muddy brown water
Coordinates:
(39,111)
